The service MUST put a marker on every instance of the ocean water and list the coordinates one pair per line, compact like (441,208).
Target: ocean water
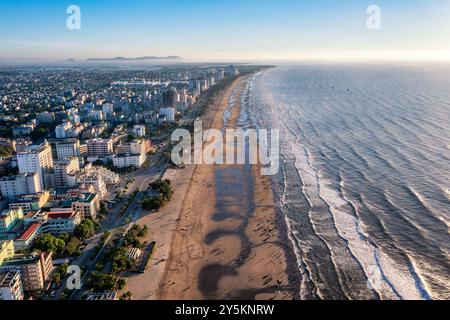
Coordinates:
(364,181)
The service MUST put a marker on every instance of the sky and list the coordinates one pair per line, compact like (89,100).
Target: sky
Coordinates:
(225,30)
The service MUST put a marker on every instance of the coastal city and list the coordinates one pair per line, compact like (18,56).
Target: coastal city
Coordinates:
(224,159)
(85,154)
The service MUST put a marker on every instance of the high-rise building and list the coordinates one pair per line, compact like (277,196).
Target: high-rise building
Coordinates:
(35,269)
(11,286)
(139,130)
(38,159)
(45,117)
(99,147)
(68,149)
(108,176)
(62,129)
(87,204)
(140,147)
(95,180)
(65,170)
(168,112)
(25,183)
(97,115)
(9,219)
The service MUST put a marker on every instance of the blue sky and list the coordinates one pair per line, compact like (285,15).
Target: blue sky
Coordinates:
(224,30)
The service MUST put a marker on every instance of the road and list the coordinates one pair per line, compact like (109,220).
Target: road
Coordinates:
(114,222)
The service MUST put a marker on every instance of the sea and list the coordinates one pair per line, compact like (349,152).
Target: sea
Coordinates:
(364,177)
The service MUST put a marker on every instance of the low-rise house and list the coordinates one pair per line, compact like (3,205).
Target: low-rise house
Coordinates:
(9,143)
(55,221)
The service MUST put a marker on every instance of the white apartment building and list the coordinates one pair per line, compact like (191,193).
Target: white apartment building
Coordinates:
(168,112)
(96,180)
(68,149)
(88,205)
(62,129)
(99,147)
(38,159)
(65,170)
(140,147)
(25,183)
(108,176)
(128,160)
(139,130)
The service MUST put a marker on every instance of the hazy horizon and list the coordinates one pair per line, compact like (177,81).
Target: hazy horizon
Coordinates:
(231,31)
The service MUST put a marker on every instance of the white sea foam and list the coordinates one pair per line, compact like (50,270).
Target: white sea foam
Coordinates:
(384,275)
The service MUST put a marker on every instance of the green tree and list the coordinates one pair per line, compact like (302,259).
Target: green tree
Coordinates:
(39,133)
(86,229)
(121,262)
(72,246)
(100,281)
(126,296)
(5,151)
(46,242)
(103,209)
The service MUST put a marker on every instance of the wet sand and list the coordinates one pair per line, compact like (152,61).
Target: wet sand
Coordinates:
(230,241)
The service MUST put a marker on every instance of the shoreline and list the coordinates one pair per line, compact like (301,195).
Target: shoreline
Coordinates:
(231,240)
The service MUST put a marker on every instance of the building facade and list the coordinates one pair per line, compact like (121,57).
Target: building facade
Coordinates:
(26,183)
(11,286)
(34,269)
(99,147)
(68,149)
(129,160)
(88,205)
(38,160)
(65,170)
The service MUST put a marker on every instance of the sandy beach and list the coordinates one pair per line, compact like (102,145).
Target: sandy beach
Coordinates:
(230,240)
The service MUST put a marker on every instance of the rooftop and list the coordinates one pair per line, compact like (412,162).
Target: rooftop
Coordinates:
(56,215)
(29,231)
(6,279)
(20,260)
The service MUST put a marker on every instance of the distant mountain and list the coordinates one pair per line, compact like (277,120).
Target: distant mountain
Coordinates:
(124,59)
